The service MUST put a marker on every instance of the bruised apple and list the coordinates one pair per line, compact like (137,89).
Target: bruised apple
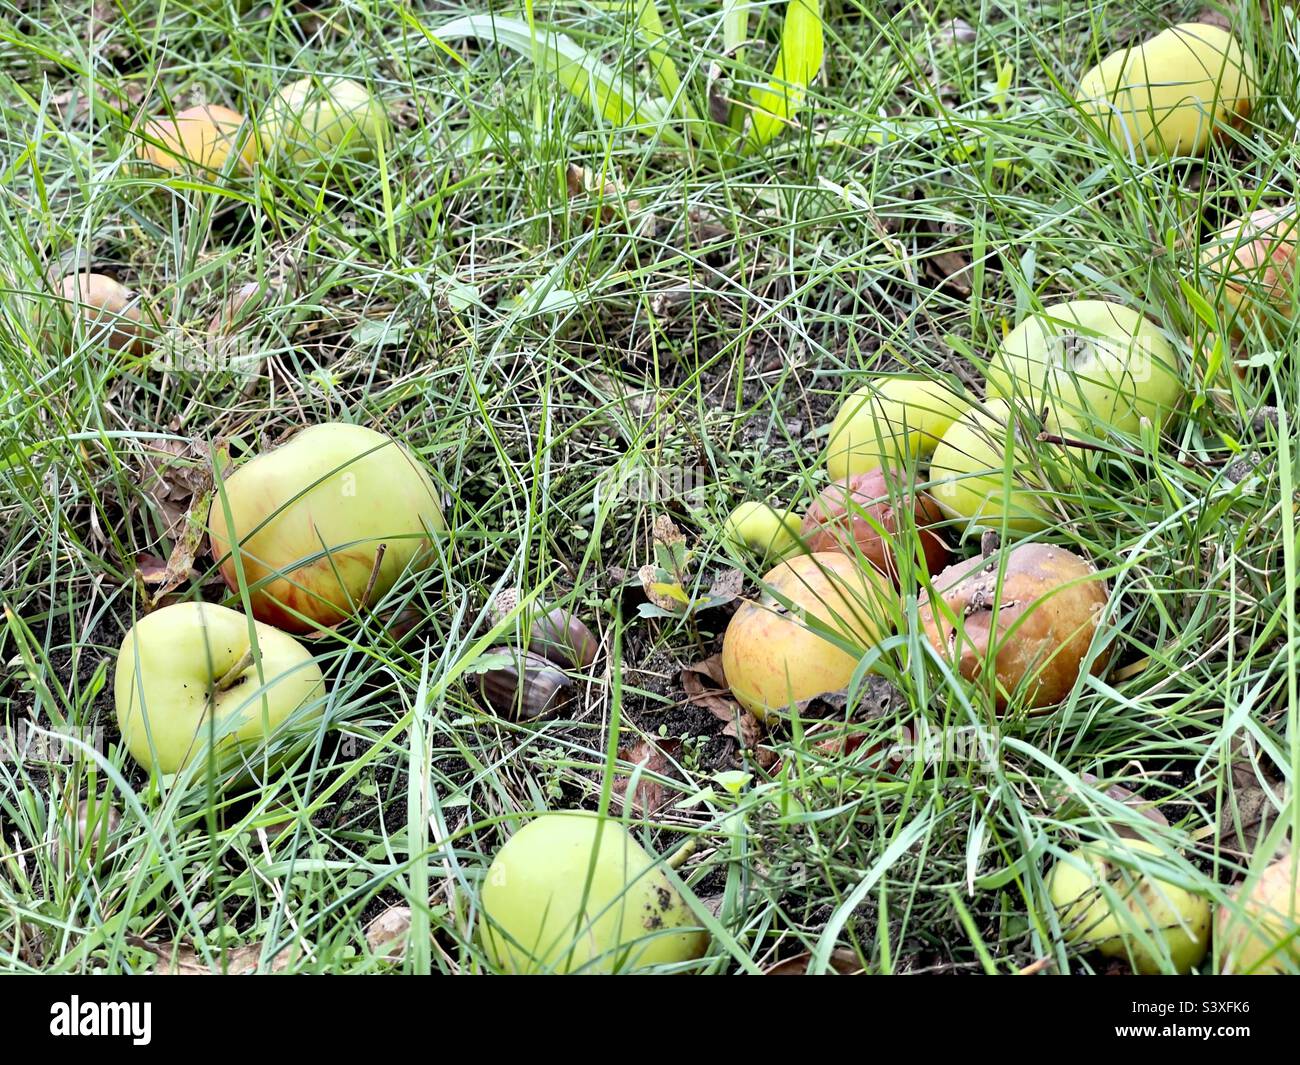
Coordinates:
(756,528)
(109,311)
(1171,94)
(865,514)
(573,892)
(189,672)
(780,649)
(338,512)
(202,137)
(1259,934)
(889,422)
(1035,626)
(1252,263)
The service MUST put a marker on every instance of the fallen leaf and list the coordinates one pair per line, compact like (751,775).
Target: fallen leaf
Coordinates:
(386,935)
(726,587)
(175,474)
(842,961)
(181,959)
(650,795)
(705,685)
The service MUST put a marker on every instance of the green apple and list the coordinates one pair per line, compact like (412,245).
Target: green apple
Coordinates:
(1104,903)
(758,529)
(969,469)
(1092,363)
(541,912)
(889,421)
(310,518)
(189,672)
(321,119)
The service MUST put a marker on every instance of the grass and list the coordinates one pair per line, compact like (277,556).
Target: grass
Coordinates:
(675,310)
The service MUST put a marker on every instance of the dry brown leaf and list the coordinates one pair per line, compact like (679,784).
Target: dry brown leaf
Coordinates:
(176,473)
(1247,806)
(705,685)
(650,795)
(181,959)
(386,935)
(726,586)
(843,961)
(1132,799)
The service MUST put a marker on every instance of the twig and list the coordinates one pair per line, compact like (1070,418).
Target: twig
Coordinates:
(374,576)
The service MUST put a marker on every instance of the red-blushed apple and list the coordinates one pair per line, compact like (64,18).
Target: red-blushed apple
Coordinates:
(188,673)
(1259,930)
(310,519)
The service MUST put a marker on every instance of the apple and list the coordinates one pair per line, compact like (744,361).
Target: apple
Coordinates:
(758,529)
(863,515)
(969,469)
(109,311)
(322,119)
(310,518)
(1035,625)
(204,137)
(889,421)
(1171,94)
(189,671)
(1110,907)
(1259,933)
(572,892)
(1089,362)
(1252,263)
(775,655)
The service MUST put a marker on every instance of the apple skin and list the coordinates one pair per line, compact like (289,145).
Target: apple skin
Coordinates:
(109,311)
(1261,935)
(182,651)
(758,529)
(1089,362)
(1170,95)
(1162,910)
(1252,262)
(310,516)
(772,659)
(966,474)
(888,422)
(315,119)
(202,137)
(533,918)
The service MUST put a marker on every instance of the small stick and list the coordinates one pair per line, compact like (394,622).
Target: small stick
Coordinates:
(374,576)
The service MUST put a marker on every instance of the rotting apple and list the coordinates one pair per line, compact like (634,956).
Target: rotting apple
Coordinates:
(781,648)
(323,119)
(972,463)
(1259,932)
(1252,262)
(889,422)
(759,529)
(109,311)
(189,673)
(572,892)
(324,525)
(1172,93)
(1033,615)
(1121,912)
(1092,363)
(865,515)
(202,137)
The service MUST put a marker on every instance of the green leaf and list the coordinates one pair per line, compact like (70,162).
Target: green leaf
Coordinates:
(797,64)
(651,27)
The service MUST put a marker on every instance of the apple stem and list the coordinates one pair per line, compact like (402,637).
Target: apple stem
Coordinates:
(678,858)
(374,576)
(231,675)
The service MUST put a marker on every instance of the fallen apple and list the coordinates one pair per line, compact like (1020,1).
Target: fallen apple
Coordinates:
(202,137)
(572,892)
(89,835)
(1108,906)
(323,119)
(324,524)
(973,466)
(1035,625)
(758,529)
(1259,933)
(189,673)
(779,650)
(889,422)
(109,312)
(1172,93)
(1252,264)
(864,515)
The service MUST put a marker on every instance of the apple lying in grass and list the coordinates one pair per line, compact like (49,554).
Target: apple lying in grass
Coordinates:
(1105,903)
(782,649)
(1092,363)
(188,673)
(865,515)
(758,529)
(1034,625)
(324,525)
(547,907)
(109,312)
(323,119)
(1172,93)
(889,422)
(202,137)
(1259,932)
(1252,264)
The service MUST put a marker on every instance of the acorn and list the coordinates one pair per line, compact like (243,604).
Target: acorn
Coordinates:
(528,688)
(555,634)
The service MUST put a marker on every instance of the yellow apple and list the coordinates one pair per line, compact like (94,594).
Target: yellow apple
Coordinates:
(1106,905)
(756,528)
(1171,94)
(1259,934)
(971,462)
(201,137)
(188,672)
(310,517)
(322,119)
(543,913)
(1092,363)
(888,421)
(773,657)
